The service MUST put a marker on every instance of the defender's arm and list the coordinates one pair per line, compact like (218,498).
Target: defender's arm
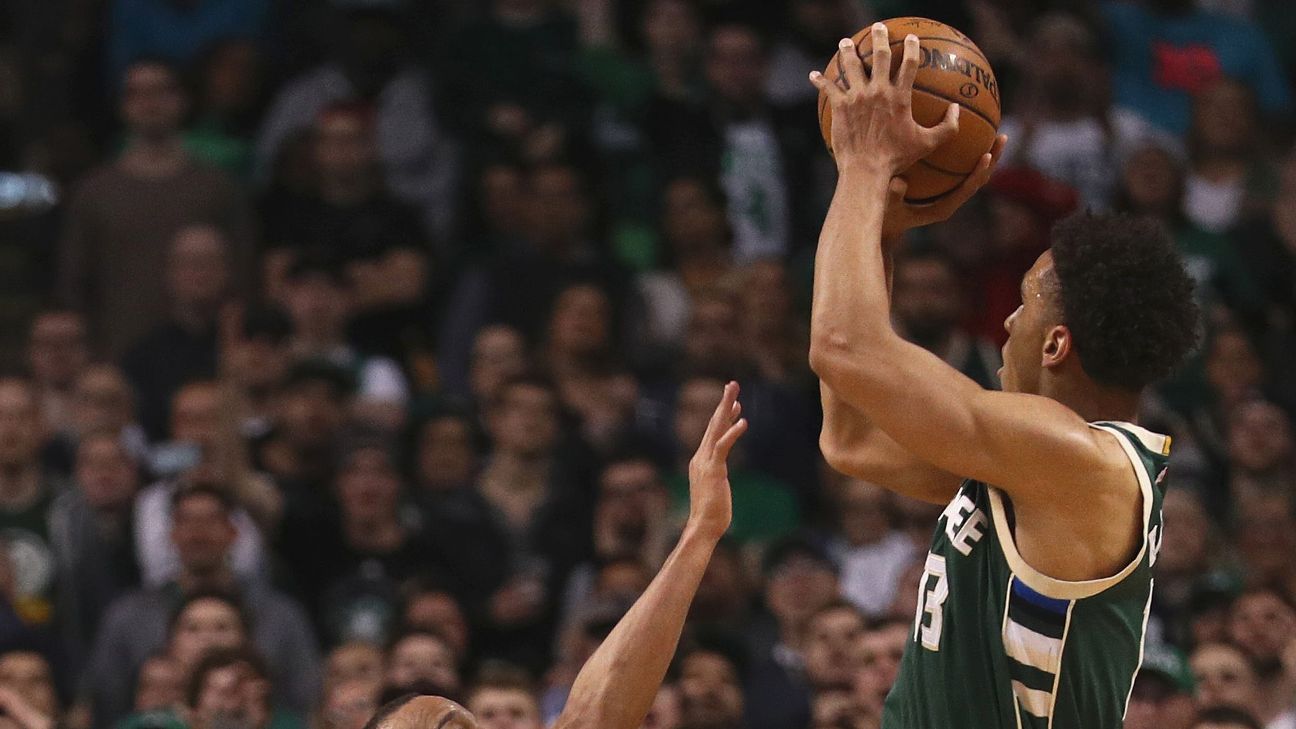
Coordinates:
(619,682)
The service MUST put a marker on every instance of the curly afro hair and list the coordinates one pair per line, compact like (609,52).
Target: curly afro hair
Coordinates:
(1126,297)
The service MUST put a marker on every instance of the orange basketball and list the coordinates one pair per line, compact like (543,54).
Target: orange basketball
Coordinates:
(950,69)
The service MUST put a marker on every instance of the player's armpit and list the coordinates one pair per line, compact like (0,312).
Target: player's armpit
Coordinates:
(855,447)
(1029,446)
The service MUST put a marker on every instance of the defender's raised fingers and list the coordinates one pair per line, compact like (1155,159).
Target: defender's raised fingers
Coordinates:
(718,418)
(731,436)
(908,64)
(852,68)
(881,54)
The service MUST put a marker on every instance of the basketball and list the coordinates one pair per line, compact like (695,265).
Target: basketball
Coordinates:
(951,69)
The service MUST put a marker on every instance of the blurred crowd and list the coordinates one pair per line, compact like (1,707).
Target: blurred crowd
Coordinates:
(354,347)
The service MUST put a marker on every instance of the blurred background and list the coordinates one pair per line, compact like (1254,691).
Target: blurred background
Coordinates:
(359,346)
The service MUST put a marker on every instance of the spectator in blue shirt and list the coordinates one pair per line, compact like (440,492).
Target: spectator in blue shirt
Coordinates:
(177,30)
(1165,51)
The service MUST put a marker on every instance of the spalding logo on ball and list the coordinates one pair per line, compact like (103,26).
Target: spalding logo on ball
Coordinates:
(951,69)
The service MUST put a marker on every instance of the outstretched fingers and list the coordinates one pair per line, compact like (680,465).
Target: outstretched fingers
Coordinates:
(723,415)
(908,66)
(881,54)
(730,437)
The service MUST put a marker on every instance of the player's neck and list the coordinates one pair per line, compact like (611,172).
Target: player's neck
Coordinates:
(1090,400)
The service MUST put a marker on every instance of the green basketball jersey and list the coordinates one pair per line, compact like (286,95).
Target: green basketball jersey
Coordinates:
(997,645)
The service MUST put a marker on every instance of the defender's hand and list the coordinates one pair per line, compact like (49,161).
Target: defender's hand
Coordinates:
(710,499)
(873,124)
(901,216)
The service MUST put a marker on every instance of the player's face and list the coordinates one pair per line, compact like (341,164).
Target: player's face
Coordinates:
(1026,328)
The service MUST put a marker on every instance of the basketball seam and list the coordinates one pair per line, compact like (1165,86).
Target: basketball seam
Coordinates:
(942,170)
(943,97)
(931,38)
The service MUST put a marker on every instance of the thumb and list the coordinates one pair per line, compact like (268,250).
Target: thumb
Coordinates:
(945,131)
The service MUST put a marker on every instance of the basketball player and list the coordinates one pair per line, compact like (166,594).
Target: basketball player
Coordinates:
(1033,604)
(619,682)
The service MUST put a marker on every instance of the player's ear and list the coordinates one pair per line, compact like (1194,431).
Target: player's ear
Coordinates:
(1057,346)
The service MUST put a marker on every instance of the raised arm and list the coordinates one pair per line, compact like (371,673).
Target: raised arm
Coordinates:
(619,682)
(1018,442)
(854,446)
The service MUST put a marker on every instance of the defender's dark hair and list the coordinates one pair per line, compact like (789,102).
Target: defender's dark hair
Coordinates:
(1227,715)
(389,708)
(1126,297)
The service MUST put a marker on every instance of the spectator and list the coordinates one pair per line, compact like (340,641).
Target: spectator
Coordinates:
(1262,542)
(579,355)
(56,355)
(928,302)
(371,65)
(665,710)
(104,401)
(159,686)
(27,694)
(498,355)
(26,494)
(446,458)
(232,687)
(879,650)
(1153,184)
(91,534)
(1023,206)
(511,76)
(349,220)
(534,494)
(1168,51)
(255,360)
(350,704)
(763,508)
(559,247)
(422,661)
(356,661)
(695,259)
(142,28)
(1062,124)
(711,695)
(348,566)
(1261,449)
(135,624)
(1224,677)
(123,215)
(431,609)
(184,347)
(726,595)
(309,413)
(504,698)
(764,144)
(194,455)
(1230,176)
(777,341)
(828,646)
(320,301)
(800,581)
(871,551)
(229,99)
(1190,557)
(1162,695)
(1262,623)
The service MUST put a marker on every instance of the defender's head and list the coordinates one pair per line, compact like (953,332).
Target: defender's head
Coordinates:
(422,712)
(1109,305)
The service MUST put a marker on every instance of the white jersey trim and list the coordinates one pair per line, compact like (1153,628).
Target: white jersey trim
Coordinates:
(1067,589)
